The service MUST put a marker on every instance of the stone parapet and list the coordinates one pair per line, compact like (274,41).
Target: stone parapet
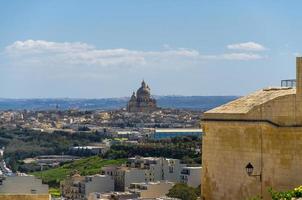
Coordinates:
(25,197)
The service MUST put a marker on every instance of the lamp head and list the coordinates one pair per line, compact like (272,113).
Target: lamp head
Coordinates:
(249,169)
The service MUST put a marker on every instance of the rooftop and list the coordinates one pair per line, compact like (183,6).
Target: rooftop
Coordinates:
(192,167)
(152,183)
(244,104)
(168,130)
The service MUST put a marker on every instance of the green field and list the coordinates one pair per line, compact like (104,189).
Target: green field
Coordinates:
(86,166)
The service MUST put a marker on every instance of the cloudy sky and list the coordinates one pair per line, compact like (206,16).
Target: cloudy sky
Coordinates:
(97,49)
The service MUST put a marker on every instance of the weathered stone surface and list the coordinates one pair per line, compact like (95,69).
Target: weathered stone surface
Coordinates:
(245,104)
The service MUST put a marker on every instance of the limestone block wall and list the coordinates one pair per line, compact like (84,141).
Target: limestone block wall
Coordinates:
(281,111)
(228,147)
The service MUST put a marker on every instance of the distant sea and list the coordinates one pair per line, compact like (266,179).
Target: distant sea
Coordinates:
(175,102)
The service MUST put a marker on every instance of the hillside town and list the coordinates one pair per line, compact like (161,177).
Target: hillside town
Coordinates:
(150,100)
(140,119)
(73,120)
(141,124)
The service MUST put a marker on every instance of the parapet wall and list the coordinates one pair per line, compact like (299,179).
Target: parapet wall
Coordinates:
(24,197)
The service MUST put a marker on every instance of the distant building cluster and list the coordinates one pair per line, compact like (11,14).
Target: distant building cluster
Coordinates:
(140,123)
(139,178)
(76,120)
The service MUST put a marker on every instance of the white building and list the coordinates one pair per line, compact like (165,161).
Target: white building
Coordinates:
(124,176)
(22,185)
(100,149)
(151,190)
(158,169)
(78,187)
(166,133)
(98,183)
(113,196)
(144,169)
(191,176)
(172,169)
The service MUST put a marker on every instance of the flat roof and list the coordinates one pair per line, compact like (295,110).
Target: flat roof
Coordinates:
(192,167)
(89,147)
(152,183)
(183,130)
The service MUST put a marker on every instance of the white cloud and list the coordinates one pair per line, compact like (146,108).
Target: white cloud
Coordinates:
(78,56)
(69,53)
(234,56)
(247,46)
(242,56)
(35,51)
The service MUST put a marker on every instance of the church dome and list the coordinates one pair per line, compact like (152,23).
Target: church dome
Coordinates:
(142,101)
(133,97)
(144,90)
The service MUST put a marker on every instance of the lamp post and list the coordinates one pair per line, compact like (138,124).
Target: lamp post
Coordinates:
(249,170)
(249,167)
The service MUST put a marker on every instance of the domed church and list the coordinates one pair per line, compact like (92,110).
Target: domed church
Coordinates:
(142,100)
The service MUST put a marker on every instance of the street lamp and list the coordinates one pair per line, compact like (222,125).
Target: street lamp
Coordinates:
(249,170)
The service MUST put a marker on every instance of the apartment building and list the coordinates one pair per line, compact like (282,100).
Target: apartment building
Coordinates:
(144,169)
(151,190)
(79,187)
(113,196)
(191,176)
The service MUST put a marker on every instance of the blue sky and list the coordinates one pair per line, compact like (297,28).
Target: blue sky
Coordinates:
(96,49)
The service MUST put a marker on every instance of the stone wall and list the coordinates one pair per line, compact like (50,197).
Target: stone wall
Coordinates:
(229,146)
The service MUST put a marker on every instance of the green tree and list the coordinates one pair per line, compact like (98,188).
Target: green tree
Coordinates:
(183,192)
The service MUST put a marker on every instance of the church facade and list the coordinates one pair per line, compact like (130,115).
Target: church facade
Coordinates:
(141,101)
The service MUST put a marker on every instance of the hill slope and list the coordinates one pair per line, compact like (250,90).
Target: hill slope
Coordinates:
(86,166)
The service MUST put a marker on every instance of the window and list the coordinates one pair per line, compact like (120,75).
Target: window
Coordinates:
(33,191)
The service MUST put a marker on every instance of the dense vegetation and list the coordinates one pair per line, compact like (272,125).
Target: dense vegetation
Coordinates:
(20,144)
(283,195)
(87,166)
(180,148)
(287,195)
(184,192)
